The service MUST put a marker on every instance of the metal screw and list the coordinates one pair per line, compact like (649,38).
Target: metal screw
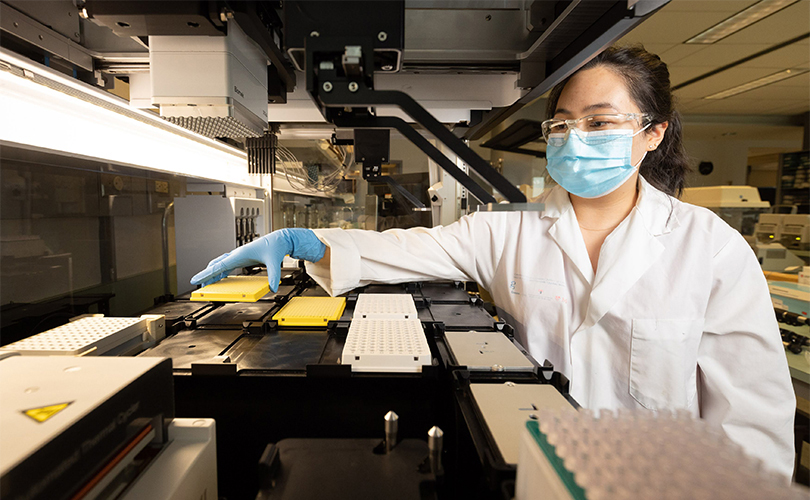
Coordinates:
(489,18)
(314,34)
(40,37)
(509,384)
(382,36)
(327,86)
(353,87)
(16,25)
(76,35)
(387,67)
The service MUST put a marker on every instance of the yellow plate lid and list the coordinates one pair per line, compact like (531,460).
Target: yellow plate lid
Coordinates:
(234,289)
(310,311)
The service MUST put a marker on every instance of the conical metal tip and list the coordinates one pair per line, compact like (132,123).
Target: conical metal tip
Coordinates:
(391,416)
(435,444)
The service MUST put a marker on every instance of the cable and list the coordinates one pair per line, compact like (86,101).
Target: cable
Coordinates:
(325,180)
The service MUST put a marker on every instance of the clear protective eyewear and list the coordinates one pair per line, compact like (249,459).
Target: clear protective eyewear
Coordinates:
(558,129)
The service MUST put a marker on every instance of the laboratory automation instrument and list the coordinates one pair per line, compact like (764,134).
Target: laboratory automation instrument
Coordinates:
(99,427)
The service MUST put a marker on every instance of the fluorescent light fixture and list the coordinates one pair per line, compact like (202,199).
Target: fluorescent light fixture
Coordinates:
(306,132)
(761,82)
(740,20)
(46,110)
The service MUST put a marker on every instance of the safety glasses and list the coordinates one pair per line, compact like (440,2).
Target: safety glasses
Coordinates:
(607,123)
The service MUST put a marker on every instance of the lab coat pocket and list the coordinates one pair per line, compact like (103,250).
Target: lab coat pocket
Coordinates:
(663,362)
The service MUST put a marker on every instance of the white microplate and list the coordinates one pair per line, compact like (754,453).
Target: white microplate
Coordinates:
(637,453)
(80,336)
(386,345)
(384,305)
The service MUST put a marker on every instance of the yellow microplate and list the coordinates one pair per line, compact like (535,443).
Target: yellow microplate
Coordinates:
(234,289)
(310,311)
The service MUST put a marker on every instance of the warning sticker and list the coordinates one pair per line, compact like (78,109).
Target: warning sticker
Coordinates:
(44,413)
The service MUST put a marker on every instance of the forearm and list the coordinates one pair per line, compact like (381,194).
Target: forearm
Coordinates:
(356,258)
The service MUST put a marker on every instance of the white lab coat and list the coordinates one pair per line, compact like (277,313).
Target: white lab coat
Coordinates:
(677,314)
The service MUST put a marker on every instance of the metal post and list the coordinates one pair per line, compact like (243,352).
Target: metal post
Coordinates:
(391,428)
(435,444)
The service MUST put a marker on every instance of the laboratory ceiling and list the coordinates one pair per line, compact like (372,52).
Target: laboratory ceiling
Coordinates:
(694,67)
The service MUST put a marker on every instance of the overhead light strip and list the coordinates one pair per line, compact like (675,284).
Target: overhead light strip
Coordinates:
(740,20)
(87,123)
(741,61)
(761,82)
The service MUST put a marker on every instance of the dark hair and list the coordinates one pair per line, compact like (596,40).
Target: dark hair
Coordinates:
(647,80)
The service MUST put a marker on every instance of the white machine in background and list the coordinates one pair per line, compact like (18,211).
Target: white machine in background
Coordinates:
(742,209)
(448,198)
(769,228)
(792,230)
(739,206)
(214,219)
(796,232)
(775,257)
(782,240)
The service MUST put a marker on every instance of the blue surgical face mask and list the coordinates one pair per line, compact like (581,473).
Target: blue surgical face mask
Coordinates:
(591,164)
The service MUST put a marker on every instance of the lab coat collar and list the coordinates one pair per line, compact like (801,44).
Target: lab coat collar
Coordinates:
(657,209)
(626,254)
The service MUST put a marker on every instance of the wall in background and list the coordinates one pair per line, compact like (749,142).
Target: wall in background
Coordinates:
(730,158)
(728,142)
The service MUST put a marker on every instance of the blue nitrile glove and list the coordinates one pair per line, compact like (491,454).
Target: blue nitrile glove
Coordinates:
(268,250)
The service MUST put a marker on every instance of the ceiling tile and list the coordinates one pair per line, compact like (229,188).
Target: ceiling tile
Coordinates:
(728,6)
(740,131)
(787,57)
(692,106)
(679,51)
(723,81)
(784,25)
(778,93)
(793,109)
(679,74)
(668,27)
(655,48)
(802,80)
(720,55)
(679,20)
(741,106)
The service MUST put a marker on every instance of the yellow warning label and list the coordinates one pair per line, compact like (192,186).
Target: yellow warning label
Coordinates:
(46,412)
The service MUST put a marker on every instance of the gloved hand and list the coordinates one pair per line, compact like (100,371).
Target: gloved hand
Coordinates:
(268,250)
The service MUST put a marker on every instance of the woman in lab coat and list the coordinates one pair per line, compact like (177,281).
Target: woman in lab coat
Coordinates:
(642,301)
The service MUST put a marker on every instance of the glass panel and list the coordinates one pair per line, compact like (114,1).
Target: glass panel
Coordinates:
(75,229)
